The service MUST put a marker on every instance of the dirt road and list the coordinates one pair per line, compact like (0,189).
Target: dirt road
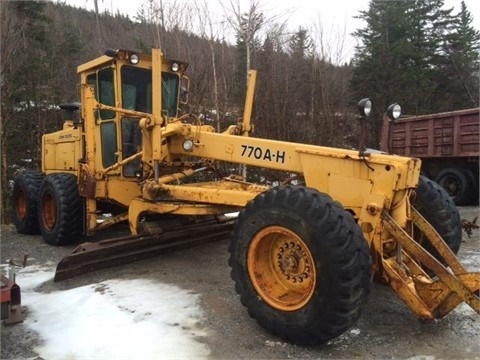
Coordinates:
(386,330)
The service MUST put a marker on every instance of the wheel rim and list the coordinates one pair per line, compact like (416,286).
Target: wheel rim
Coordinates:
(281,268)
(49,211)
(452,185)
(21,205)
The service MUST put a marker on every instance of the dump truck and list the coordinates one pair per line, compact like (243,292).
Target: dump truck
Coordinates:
(448,145)
(303,254)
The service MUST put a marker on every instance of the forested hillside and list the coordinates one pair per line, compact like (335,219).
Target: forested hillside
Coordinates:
(413,52)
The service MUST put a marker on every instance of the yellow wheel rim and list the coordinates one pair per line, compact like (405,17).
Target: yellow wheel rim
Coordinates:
(281,268)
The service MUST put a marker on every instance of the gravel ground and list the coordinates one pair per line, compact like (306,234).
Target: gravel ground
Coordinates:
(386,330)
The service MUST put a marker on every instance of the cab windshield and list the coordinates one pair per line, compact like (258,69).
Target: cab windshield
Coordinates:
(137,90)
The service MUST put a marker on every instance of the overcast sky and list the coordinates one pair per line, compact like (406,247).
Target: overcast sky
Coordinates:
(333,18)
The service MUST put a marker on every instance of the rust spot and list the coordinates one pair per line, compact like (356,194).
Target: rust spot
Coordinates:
(86,182)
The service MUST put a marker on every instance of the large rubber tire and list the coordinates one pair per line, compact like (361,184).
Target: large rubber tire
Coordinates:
(437,207)
(25,201)
(60,210)
(473,186)
(456,184)
(300,264)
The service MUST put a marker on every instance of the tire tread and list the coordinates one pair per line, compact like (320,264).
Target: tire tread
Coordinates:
(438,208)
(69,226)
(29,182)
(347,247)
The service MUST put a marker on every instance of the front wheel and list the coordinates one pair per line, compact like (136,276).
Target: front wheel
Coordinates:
(300,264)
(60,210)
(437,207)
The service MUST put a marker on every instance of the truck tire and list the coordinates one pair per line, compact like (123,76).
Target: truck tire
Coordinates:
(25,202)
(456,184)
(473,186)
(300,264)
(60,210)
(437,207)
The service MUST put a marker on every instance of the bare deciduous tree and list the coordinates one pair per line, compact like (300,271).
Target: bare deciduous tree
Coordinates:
(210,32)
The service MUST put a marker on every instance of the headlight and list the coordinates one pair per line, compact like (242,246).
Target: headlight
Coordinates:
(394,111)
(121,55)
(187,145)
(134,59)
(175,67)
(365,107)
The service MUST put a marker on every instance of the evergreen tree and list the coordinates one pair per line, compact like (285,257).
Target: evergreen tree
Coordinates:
(301,45)
(428,24)
(398,56)
(383,44)
(459,63)
(301,86)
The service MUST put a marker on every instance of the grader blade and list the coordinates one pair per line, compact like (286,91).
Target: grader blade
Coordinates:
(429,296)
(92,256)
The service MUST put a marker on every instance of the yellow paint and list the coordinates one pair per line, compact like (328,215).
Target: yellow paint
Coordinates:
(374,187)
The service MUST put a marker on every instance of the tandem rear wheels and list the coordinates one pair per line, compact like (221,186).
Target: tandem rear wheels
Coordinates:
(49,205)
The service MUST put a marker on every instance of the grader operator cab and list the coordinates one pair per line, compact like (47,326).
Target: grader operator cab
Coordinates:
(302,256)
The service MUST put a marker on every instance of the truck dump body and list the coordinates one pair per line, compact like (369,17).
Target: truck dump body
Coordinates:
(449,134)
(447,143)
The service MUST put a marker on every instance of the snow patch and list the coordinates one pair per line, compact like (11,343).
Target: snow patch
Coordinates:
(355,332)
(115,319)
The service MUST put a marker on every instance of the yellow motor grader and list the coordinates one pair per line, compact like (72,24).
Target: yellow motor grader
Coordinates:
(302,255)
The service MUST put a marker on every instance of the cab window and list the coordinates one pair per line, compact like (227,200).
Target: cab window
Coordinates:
(169,94)
(105,94)
(137,90)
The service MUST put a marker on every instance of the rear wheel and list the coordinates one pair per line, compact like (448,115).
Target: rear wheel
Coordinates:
(25,201)
(300,264)
(437,207)
(60,211)
(457,184)
(473,186)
